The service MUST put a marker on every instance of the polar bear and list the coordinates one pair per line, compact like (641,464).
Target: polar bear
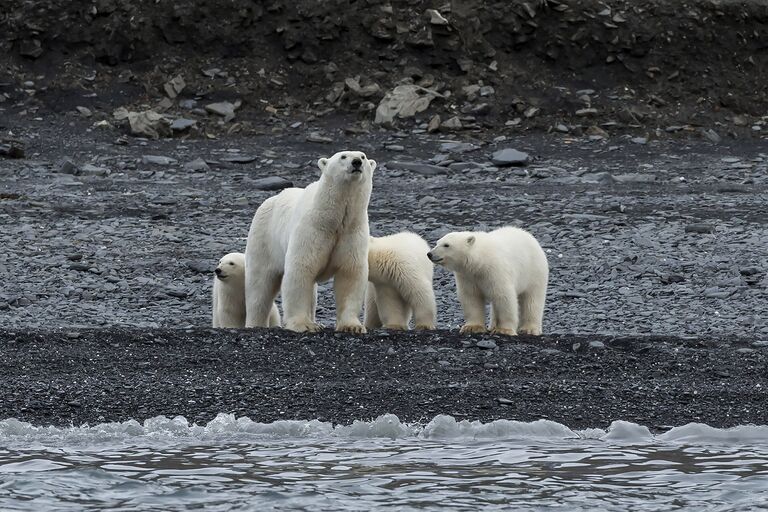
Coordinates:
(506,268)
(304,236)
(399,283)
(229,293)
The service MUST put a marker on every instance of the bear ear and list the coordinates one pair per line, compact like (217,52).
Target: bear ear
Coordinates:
(322,163)
(372,163)
(470,239)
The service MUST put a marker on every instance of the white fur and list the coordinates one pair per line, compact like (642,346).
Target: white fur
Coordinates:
(506,268)
(304,236)
(400,283)
(229,294)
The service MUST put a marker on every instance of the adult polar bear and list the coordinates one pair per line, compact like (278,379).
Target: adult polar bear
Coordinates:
(304,236)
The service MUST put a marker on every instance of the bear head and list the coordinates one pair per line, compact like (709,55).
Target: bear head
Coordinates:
(231,267)
(347,166)
(452,250)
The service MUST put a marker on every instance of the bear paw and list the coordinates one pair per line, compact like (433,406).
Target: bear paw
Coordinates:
(503,332)
(303,326)
(351,328)
(531,331)
(424,327)
(472,329)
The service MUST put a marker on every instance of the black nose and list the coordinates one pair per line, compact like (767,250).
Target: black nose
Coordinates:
(217,271)
(356,162)
(429,255)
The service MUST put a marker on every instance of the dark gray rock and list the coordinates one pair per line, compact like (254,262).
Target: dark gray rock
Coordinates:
(419,168)
(271,183)
(507,157)
(158,160)
(67,166)
(486,344)
(182,124)
(700,228)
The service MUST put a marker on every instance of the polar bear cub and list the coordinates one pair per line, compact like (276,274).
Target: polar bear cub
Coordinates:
(506,268)
(229,293)
(304,236)
(399,283)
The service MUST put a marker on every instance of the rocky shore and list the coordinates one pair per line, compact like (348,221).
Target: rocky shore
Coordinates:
(77,376)
(138,139)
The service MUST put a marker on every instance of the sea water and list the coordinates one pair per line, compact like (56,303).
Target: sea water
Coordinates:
(444,464)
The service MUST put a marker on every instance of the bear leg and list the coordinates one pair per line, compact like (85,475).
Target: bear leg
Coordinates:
(371,318)
(472,304)
(532,311)
(261,288)
(393,310)
(504,314)
(349,289)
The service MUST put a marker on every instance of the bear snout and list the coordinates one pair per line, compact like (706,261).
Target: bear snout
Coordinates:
(217,271)
(356,163)
(429,255)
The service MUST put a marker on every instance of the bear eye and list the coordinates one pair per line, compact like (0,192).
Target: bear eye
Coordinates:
(231,263)
(446,245)
(343,157)
(363,157)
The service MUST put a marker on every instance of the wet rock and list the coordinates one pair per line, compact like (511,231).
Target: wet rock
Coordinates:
(271,183)
(239,159)
(158,160)
(509,156)
(419,168)
(640,140)
(84,111)
(67,166)
(531,112)
(701,228)
(404,101)
(598,345)
(584,112)
(487,344)
(505,401)
(318,138)
(197,165)
(458,147)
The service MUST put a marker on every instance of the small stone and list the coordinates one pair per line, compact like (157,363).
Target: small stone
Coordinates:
(750,271)
(434,124)
(84,111)
(561,128)
(67,166)
(4,306)
(318,138)
(419,168)
(711,135)
(271,183)
(435,18)
(760,343)
(174,86)
(182,124)
(486,344)
(158,160)
(531,112)
(72,335)
(394,147)
(224,109)
(584,112)
(700,228)
(457,147)
(176,292)
(240,159)
(197,165)
(188,104)
(505,401)
(596,344)
(451,124)
(509,156)
(640,140)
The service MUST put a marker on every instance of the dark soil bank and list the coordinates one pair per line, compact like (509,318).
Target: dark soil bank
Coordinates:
(63,377)
(641,64)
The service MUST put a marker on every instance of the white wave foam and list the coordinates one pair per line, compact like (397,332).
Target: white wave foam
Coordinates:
(443,427)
